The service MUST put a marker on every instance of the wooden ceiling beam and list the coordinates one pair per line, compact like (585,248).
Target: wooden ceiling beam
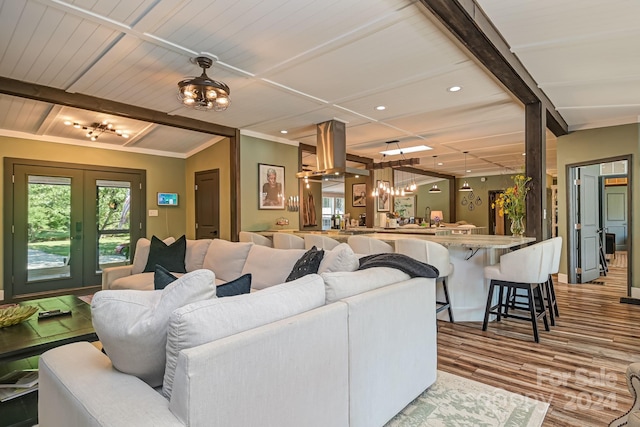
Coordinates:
(92,103)
(466,21)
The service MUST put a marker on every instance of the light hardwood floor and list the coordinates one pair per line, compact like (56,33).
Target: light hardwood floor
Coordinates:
(578,367)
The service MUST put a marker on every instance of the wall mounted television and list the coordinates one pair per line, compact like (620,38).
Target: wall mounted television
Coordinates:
(167,199)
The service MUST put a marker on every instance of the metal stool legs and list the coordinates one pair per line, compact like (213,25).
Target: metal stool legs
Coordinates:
(446,304)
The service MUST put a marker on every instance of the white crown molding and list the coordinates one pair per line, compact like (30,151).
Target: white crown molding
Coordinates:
(260,135)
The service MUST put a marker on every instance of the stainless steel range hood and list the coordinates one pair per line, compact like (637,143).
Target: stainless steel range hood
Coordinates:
(331,152)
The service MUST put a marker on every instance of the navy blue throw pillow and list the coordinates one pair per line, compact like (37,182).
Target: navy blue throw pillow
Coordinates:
(309,263)
(242,285)
(162,277)
(170,256)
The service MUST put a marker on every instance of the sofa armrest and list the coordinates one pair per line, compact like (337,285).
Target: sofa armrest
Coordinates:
(79,387)
(110,274)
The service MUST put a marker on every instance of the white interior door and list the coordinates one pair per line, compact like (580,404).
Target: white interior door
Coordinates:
(587,213)
(615,214)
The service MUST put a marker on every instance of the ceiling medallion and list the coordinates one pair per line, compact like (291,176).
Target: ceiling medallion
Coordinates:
(203,93)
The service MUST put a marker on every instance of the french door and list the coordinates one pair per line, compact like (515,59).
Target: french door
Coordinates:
(68,223)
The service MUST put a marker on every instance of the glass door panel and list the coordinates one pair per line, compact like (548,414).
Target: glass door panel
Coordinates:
(48,227)
(113,220)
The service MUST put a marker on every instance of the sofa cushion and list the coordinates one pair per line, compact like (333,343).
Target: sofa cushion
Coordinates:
(340,258)
(142,253)
(210,320)
(170,256)
(306,264)
(343,284)
(242,285)
(195,253)
(162,277)
(226,259)
(132,325)
(270,266)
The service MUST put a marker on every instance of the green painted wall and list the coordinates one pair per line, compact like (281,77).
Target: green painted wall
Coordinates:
(594,144)
(215,157)
(252,152)
(436,201)
(479,216)
(164,174)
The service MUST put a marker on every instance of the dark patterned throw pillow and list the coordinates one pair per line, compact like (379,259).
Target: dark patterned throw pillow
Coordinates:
(309,263)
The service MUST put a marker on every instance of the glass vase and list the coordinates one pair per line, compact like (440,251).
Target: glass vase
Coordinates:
(517,226)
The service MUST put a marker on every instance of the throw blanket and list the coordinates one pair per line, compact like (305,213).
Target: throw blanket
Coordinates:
(411,266)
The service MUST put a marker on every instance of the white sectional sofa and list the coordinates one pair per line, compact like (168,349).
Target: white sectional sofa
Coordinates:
(229,260)
(341,348)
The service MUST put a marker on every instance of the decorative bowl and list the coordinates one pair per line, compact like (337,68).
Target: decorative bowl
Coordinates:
(16,314)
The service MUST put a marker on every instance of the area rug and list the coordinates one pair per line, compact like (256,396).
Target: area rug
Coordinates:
(454,401)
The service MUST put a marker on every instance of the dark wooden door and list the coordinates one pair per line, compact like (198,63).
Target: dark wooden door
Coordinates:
(207,204)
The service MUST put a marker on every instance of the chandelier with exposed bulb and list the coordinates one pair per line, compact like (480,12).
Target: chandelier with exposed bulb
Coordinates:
(96,129)
(203,93)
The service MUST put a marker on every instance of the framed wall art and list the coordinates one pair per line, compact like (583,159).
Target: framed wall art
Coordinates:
(384,199)
(270,186)
(405,206)
(359,195)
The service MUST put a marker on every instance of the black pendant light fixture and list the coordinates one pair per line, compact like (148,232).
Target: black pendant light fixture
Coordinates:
(203,93)
(435,188)
(465,185)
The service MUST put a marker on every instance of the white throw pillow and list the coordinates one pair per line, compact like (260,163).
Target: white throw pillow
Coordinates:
(340,258)
(207,321)
(132,325)
(195,253)
(269,266)
(226,258)
(143,246)
(343,284)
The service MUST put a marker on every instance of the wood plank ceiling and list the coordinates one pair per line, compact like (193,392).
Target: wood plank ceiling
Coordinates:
(294,63)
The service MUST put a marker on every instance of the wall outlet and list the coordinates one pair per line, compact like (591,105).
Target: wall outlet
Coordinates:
(153,212)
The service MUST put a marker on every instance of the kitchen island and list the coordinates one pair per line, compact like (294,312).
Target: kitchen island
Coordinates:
(469,253)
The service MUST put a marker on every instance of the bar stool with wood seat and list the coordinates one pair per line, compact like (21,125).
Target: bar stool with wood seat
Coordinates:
(527,268)
(364,245)
(433,254)
(258,239)
(287,241)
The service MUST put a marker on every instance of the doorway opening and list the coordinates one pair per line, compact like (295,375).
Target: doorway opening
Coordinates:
(598,209)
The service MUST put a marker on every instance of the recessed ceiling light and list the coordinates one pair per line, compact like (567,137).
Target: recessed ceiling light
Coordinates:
(468,170)
(524,154)
(454,88)
(284,131)
(381,107)
(67,123)
(440,163)
(406,150)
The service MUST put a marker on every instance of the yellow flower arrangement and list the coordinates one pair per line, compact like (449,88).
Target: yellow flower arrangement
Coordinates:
(512,202)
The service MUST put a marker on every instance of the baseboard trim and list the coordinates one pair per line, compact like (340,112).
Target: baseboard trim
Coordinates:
(1,295)
(563,278)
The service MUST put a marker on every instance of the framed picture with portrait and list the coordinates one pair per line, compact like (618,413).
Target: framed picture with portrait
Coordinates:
(270,186)
(384,199)
(359,195)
